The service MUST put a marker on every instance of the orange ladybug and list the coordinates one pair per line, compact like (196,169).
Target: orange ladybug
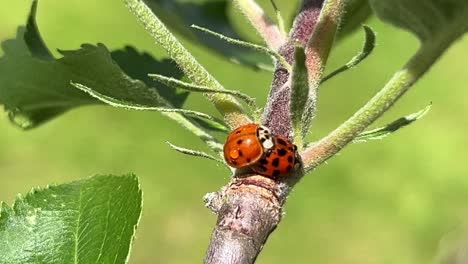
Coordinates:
(279,160)
(245,145)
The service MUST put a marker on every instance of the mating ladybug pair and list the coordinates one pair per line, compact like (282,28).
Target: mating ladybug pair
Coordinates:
(256,147)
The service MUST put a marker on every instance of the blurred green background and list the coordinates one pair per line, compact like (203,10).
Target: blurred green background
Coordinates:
(399,200)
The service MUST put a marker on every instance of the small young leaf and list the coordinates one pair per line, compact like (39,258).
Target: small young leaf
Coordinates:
(382,132)
(427,19)
(171,82)
(196,153)
(214,125)
(369,44)
(299,97)
(279,17)
(127,105)
(249,45)
(87,221)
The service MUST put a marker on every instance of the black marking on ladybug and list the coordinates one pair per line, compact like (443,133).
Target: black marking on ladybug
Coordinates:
(268,154)
(290,159)
(234,162)
(248,160)
(267,136)
(239,141)
(282,142)
(262,168)
(288,168)
(238,132)
(276,173)
(282,152)
(263,161)
(240,153)
(262,140)
(275,162)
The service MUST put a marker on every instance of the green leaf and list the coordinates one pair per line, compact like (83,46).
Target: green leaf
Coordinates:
(369,44)
(35,87)
(171,82)
(178,15)
(137,65)
(196,153)
(248,45)
(132,106)
(299,97)
(87,221)
(382,132)
(427,19)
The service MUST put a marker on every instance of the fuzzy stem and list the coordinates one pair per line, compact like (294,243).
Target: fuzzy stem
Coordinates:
(270,32)
(226,104)
(416,67)
(277,115)
(317,51)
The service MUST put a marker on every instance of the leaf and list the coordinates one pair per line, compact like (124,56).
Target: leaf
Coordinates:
(35,87)
(382,132)
(128,105)
(427,19)
(137,65)
(196,153)
(299,96)
(368,47)
(179,15)
(87,221)
(171,82)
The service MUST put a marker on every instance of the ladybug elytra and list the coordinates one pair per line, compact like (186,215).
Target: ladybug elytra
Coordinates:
(279,160)
(254,146)
(246,145)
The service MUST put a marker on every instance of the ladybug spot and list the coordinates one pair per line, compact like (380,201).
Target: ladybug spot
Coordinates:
(290,159)
(234,162)
(238,132)
(288,168)
(282,142)
(276,173)
(248,160)
(263,161)
(282,152)
(275,162)
(268,154)
(240,153)
(239,141)
(234,154)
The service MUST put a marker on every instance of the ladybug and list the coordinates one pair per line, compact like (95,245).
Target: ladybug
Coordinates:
(279,160)
(247,144)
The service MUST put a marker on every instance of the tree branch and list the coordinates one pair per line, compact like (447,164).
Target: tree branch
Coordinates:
(248,209)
